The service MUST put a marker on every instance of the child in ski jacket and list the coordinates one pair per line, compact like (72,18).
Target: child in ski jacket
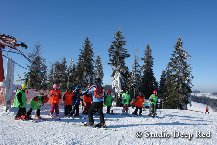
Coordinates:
(55,96)
(20,102)
(67,98)
(76,99)
(35,104)
(153,103)
(87,101)
(139,104)
(125,102)
(108,101)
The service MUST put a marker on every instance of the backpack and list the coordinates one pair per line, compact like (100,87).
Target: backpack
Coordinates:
(99,93)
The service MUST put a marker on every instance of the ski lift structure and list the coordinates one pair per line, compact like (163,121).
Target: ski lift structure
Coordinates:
(10,43)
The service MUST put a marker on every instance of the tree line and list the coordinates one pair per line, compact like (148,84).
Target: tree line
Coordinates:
(173,88)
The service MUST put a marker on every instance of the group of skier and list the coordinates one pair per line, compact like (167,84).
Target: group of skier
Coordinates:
(92,99)
(20,103)
(139,103)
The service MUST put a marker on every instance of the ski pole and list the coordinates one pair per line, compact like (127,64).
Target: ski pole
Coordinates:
(73,107)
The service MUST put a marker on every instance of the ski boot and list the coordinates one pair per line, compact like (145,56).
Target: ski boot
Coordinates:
(76,115)
(38,117)
(89,124)
(24,117)
(51,115)
(17,118)
(29,118)
(57,116)
(100,125)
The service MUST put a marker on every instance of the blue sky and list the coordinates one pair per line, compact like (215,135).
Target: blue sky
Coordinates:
(61,27)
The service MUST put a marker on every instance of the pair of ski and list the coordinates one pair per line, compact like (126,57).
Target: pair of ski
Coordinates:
(33,120)
(94,126)
(55,118)
(100,127)
(39,120)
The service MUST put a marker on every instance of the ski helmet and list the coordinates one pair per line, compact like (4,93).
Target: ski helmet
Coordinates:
(23,86)
(109,91)
(154,91)
(55,86)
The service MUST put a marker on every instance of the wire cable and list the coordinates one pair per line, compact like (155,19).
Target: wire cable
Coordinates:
(16,63)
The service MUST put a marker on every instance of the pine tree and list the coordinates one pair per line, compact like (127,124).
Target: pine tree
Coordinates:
(126,78)
(169,101)
(98,72)
(37,73)
(85,65)
(180,75)
(136,77)
(118,54)
(71,74)
(50,81)
(149,82)
(162,85)
(60,74)
(79,71)
(129,84)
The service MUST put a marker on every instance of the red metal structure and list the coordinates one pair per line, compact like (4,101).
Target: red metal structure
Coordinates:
(11,43)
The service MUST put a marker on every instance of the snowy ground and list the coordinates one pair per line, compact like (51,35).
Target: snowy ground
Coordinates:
(122,129)
(198,107)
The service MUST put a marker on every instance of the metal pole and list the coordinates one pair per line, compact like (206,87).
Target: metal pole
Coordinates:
(1,65)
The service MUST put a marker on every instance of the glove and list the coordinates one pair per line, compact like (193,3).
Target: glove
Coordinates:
(151,100)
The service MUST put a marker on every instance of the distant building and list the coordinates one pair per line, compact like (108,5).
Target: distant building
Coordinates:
(108,87)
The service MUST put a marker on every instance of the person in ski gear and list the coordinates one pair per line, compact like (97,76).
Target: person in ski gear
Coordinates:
(207,109)
(98,99)
(35,104)
(108,101)
(153,103)
(132,103)
(67,98)
(139,104)
(125,101)
(76,99)
(20,102)
(87,101)
(55,96)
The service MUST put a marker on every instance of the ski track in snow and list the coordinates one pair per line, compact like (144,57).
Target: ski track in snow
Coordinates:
(121,128)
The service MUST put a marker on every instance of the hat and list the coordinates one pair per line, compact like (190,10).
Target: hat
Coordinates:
(55,86)
(154,91)
(23,86)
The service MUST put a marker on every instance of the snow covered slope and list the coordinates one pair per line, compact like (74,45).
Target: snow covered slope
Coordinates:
(198,107)
(208,95)
(122,129)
